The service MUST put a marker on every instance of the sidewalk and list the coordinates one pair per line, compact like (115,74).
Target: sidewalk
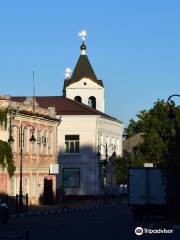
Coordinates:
(69,205)
(78,204)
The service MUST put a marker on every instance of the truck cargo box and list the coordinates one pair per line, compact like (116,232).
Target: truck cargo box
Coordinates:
(147,186)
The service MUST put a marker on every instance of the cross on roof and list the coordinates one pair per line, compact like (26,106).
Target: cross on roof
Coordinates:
(83,35)
(67,73)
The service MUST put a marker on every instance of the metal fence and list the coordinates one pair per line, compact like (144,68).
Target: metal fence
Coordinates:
(13,202)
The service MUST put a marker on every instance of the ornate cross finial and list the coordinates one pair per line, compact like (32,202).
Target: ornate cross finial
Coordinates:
(83,35)
(67,73)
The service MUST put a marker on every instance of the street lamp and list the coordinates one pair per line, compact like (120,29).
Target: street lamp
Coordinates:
(172,116)
(103,163)
(21,132)
(171,113)
(173,168)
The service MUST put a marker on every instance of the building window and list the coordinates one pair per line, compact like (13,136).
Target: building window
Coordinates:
(33,189)
(13,186)
(17,184)
(41,185)
(33,148)
(44,138)
(71,143)
(26,141)
(15,144)
(44,142)
(107,142)
(92,102)
(49,140)
(101,143)
(13,147)
(39,133)
(26,185)
(118,147)
(78,99)
(71,177)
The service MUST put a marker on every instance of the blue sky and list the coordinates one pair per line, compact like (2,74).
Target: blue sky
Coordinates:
(134,46)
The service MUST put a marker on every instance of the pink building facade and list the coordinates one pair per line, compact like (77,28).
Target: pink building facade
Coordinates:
(39,159)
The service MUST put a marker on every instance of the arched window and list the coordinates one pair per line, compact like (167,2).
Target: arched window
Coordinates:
(26,185)
(78,99)
(92,102)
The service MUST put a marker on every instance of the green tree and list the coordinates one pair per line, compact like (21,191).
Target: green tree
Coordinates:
(6,157)
(160,135)
(121,169)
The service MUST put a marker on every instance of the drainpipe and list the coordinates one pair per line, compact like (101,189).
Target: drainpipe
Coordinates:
(95,154)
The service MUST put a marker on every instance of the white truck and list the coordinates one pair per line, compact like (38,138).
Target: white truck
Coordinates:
(147,191)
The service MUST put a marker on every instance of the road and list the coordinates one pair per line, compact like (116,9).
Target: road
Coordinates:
(110,223)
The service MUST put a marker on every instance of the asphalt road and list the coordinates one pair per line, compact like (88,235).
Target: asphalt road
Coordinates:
(110,223)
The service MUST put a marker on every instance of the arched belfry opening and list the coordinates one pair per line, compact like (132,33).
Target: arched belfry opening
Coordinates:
(92,102)
(78,99)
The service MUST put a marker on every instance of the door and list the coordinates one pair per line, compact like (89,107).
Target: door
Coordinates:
(48,191)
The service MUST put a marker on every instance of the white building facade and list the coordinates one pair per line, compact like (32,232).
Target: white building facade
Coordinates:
(79,167)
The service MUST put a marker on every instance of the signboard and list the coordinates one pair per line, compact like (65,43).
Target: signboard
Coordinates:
(71,177)
(148,164)
(54,168)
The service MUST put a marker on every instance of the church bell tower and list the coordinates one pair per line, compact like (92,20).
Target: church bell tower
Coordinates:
(83,85)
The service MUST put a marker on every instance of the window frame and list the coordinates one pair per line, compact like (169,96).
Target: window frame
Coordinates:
(68,149)
(79,177)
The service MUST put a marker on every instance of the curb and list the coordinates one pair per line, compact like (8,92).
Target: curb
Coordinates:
(57,211)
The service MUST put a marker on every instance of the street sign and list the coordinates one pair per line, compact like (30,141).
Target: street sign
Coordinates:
(54,168)
(148,164)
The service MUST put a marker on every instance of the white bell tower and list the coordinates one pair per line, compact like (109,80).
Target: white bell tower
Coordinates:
(83,85)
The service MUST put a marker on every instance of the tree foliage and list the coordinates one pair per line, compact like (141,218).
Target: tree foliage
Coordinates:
(161,136)
(3,118)
(121,169)
(6,157)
